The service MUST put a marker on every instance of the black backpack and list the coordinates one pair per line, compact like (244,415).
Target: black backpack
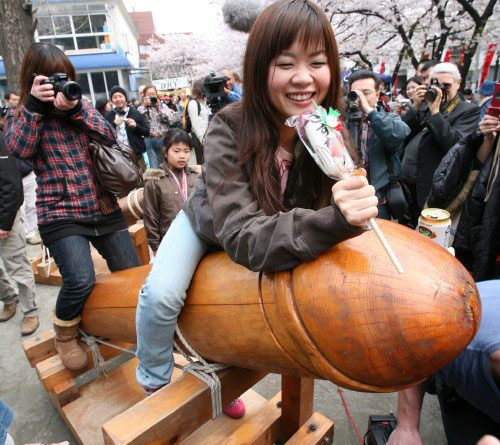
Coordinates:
(186,120)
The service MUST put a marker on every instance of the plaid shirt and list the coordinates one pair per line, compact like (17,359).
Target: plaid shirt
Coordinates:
(158,120)
(59,148)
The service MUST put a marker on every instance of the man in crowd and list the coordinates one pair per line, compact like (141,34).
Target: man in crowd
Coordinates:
(159,116)
(11,99)
(13,247)
(379,136)
(437,121)
(468,388)
(424,69)
(232,90)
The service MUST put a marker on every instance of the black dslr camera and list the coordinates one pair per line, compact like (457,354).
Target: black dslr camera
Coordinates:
(60,82)
(354,114)
(3,111)
(153,100)
(213,87)
(431,94)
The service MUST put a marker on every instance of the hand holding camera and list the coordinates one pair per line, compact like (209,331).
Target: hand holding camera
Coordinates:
(63,93)
(435,95)
(151,101)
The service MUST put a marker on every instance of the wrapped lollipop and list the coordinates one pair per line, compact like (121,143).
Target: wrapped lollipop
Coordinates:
(321,133)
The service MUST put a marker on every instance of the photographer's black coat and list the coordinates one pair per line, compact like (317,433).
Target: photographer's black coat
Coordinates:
(440,133)
(11,187)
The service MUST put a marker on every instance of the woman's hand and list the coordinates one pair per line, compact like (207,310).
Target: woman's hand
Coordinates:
(131,123)
(489,126)
(63,104)
(45,93)
(118,119)
(356,200)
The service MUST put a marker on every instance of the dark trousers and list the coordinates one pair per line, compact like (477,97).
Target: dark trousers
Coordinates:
(198,149)
(415,209)
(463,423)
(73,258)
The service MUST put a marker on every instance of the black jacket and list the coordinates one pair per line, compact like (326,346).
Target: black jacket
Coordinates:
(11,187)
(135,135)
(477,241)
(440,133)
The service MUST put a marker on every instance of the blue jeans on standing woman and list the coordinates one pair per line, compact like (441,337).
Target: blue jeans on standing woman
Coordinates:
(73,258)
(154,151)
(161,299)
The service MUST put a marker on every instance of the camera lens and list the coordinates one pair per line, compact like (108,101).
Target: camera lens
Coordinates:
(153,100)
(430,95)
(352,96)
(71,90)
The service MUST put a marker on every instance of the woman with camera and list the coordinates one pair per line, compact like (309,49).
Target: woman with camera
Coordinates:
(159,118)
(55,131)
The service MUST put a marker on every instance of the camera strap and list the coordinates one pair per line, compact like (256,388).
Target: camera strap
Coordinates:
(451,105)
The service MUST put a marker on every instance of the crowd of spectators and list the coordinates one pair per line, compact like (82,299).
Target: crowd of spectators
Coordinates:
(443,147)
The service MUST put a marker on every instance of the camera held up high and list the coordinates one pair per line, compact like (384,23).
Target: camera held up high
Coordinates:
(213,87)
(431,93)
(60,82)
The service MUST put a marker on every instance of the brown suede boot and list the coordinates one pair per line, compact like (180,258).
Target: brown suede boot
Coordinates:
(66,341)
(9,310)
(29,325)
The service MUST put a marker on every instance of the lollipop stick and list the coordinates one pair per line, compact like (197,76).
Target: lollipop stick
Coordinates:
(386,245)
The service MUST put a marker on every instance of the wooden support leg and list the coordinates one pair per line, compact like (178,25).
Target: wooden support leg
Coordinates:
(318,430)
(297,399)
(65,392)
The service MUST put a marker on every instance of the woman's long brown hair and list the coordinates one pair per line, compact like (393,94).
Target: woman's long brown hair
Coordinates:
(42,59)
(274,31)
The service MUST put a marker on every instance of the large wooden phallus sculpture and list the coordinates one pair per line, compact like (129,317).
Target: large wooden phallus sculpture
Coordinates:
(348,316)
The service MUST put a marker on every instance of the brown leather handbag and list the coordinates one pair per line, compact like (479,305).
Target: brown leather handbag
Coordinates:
(116,168)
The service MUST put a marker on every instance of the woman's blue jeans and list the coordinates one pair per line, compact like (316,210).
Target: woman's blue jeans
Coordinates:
(154,151)
(73,258)
(161,299)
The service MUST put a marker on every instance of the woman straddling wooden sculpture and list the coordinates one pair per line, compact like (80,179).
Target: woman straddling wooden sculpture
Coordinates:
(261,197)
(54,131)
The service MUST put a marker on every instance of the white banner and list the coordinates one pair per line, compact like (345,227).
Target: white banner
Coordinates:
(171,84)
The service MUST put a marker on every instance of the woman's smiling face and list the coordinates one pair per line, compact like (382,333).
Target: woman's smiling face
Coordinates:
(296,78)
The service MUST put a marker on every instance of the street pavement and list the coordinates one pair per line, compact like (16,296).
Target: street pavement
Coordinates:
(37,420)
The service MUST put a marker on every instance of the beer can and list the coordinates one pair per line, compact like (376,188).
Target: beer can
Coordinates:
(435,224)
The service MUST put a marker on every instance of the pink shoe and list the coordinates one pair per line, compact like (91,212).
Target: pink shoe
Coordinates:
(236,409)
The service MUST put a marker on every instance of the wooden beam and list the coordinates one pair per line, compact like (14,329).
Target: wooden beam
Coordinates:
(52,371)
(219,431)
(297,394)
(40,347)
(263,428)
(175,411)
(65,392)
(318,430)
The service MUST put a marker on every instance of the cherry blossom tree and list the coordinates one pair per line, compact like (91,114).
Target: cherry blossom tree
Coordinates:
(401,30)
(197,54)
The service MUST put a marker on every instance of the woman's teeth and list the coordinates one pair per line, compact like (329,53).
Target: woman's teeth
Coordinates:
(300,97)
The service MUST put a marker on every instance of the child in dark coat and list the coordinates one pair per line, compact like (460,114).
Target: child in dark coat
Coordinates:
(167,188)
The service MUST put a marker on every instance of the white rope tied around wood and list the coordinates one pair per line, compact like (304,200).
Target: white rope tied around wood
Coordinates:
(97,357)
(204,371)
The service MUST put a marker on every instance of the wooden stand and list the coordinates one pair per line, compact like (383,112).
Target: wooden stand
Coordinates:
(114,409)
(49,274)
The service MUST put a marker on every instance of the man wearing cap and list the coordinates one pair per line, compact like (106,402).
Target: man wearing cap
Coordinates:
(486,95)
(131,127)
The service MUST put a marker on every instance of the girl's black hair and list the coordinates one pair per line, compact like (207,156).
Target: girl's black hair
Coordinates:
(175,136)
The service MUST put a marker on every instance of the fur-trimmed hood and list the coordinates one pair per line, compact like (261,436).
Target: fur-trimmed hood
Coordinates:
(162,172)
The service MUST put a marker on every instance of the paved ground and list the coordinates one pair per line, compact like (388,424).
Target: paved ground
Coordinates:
(36,419)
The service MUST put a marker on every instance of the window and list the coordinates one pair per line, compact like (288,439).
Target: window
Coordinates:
(78,31)
(83,81)
(111,79)
(98,82)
